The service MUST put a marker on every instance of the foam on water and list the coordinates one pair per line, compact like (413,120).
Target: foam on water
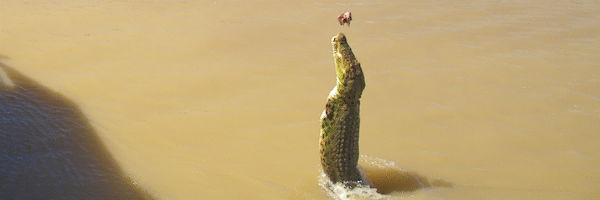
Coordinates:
(340,191)
(377,162)
(386,180)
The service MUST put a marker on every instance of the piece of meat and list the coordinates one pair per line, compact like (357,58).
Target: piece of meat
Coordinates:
(345,18)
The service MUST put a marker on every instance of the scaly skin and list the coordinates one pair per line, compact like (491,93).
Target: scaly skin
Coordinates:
(340,120)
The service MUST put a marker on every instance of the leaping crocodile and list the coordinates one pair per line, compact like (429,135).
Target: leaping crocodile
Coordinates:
(340,120)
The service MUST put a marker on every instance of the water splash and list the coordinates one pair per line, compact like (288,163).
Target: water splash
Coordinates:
(341,192)
(386,179)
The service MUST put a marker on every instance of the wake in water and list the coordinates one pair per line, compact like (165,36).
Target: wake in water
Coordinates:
(384,177)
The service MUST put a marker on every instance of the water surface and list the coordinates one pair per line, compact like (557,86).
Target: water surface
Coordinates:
(221,99)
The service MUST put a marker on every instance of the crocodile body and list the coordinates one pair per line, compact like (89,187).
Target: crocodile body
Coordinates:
(340,120)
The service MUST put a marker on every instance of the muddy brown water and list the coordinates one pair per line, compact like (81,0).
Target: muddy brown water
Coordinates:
(221,99)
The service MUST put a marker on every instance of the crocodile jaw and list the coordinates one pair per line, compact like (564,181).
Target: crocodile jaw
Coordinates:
(349,75)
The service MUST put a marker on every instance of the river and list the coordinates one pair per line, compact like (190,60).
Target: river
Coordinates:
(221,99)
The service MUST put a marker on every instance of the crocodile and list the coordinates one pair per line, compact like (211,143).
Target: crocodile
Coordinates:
(340,120)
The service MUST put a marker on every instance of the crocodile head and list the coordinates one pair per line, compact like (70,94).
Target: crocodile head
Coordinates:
(350,78)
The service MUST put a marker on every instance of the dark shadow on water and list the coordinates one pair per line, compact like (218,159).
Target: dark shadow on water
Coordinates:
(49,150)
(391,179)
